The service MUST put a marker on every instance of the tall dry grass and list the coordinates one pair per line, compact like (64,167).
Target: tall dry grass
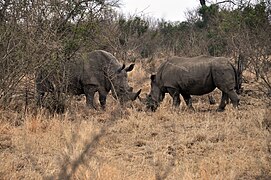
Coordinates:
(131,143)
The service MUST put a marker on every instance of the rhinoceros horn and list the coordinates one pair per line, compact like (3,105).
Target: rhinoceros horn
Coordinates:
(133,96)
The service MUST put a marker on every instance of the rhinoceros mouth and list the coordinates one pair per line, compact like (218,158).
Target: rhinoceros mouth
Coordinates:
(151,103)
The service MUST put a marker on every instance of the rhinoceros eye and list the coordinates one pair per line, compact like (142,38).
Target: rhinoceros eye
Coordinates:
(121,89)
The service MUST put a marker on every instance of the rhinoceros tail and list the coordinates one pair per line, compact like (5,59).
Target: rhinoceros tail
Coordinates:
(240,63)
(238,74)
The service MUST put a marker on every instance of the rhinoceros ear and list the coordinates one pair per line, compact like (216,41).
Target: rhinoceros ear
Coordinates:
(153,77)
(130,68)
(120,69)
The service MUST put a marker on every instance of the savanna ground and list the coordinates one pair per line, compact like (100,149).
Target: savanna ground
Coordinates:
(131,143)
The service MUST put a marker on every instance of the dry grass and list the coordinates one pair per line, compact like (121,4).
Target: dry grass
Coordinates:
(131,143)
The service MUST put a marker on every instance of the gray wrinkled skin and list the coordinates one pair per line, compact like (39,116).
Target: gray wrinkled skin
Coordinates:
(98,71)
(193,76)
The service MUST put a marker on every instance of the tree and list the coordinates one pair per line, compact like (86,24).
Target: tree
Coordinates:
(43,34)
(202,2)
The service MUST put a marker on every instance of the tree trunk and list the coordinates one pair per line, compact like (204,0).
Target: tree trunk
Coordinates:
(202,2)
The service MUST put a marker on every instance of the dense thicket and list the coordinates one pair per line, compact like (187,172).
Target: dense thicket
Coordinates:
(39,34)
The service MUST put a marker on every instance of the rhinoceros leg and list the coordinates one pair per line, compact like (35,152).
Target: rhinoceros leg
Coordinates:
(89,91)
(234,98)
(222,104)
(225,100)
(174,93)
(102,98)
(188,100)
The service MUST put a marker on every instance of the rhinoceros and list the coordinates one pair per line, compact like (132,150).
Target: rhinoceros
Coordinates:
(194,76)
(98,71)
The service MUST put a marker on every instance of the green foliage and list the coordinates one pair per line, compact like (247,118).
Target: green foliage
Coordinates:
(255,17)
(133,26)
(208,13)
(171,28)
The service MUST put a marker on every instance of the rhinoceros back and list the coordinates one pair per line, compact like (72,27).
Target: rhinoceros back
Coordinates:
(97,66)
(194,75)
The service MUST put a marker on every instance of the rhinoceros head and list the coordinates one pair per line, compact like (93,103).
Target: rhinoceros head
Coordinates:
(121,88)
(156,95)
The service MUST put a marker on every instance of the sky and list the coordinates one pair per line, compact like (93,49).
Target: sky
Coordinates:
(169,10)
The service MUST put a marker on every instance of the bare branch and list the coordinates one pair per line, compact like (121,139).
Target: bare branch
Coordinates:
(227,1)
